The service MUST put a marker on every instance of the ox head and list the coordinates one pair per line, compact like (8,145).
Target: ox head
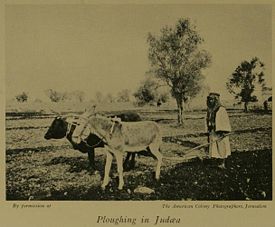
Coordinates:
(59,126)
(57,130)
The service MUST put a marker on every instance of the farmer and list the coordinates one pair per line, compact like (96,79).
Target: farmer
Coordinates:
(218,127)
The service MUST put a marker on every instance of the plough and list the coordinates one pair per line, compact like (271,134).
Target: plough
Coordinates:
(187,155)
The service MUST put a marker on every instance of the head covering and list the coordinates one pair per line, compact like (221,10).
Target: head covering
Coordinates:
(213,101)
(213,105)
(214,94)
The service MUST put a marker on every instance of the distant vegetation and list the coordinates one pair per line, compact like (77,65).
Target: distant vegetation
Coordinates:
(56,96)
(245,79)
(123,96)
(150,91)
(176,70)
(23,97)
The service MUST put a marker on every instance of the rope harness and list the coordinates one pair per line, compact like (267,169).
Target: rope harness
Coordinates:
(114,120)
(75,123)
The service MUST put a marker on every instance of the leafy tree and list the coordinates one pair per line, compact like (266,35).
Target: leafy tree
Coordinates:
(244,79)
(123,96)
(23,97)
(148,92)
(145,93)
(175,58)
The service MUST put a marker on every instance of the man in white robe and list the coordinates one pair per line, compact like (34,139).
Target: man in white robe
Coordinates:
(218,127)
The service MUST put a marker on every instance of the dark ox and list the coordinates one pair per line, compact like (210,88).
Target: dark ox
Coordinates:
(61,128)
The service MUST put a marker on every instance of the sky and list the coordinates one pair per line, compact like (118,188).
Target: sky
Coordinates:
(103,47)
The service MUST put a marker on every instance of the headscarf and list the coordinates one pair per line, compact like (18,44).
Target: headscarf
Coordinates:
(212,109)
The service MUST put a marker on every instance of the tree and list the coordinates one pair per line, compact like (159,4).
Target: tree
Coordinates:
(145,93)
(55,96)
(175,58)
(23,97)
(244,79)
(123,96)
(149,92)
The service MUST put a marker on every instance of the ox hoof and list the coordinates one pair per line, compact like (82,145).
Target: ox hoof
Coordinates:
(103,186)
(120,188)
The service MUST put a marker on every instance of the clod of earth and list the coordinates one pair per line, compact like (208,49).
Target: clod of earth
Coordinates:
(144,190)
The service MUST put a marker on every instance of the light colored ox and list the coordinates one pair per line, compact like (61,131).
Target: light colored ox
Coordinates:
(121,137)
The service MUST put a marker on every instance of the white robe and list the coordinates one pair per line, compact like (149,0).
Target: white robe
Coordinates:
(220,148)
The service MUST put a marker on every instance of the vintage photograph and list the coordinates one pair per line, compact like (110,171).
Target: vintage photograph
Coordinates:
(138,102)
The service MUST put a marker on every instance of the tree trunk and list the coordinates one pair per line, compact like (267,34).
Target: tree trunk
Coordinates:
(180,110)
(245,107)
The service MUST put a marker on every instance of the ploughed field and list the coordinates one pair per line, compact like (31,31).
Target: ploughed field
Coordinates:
(37,169)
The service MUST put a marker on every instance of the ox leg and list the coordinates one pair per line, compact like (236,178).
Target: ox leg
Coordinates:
(126,161)
(108,164)
(154,148)
(129,162)
(132,162)
(91,157)
(119,160)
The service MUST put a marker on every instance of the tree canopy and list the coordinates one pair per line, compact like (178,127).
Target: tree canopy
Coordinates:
(243,81)
(175,58)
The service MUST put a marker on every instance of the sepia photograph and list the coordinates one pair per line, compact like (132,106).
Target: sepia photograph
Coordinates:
(138,102)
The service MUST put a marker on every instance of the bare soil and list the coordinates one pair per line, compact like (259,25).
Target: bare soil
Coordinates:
(37,169)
